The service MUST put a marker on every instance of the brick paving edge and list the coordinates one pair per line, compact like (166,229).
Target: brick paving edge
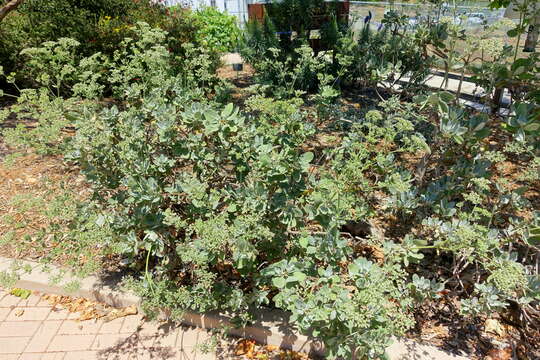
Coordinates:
(272,329)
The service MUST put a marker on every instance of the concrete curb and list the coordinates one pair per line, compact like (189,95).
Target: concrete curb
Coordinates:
(272,329)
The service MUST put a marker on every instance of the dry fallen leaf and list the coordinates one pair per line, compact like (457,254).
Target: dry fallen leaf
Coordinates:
(118,313)
(22,293)
(245,347)
(89,310)
(19,312)
(271,348)
(499,354)
(494,327)
(435,331)
(292,355)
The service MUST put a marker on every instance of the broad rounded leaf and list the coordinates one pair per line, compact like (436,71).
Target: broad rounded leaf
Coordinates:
(299,276)
(279,282)
(228,110)
(446,96)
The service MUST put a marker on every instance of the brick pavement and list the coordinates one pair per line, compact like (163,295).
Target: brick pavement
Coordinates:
(31,329)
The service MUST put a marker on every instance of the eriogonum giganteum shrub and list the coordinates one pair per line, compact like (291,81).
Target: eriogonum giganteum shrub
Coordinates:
(216,207)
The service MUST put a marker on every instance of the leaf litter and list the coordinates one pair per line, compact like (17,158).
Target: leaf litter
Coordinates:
(22,293)
(88,309)
(249,349)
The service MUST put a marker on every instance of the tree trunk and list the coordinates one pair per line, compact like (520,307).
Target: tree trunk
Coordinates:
(7,8)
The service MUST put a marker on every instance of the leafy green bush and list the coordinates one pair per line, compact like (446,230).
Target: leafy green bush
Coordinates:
(229,209)
(137,65)
(218,208)
(286,71)
(98,26)
(301,16)
(381,58)
(288,75)
(257,39)
(369,59)
(47,137)
(216,30)
(224,211)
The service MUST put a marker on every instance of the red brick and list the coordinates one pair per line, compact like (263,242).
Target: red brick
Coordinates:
(4,313)
(105,341)
(31,356)
(83,355)
(10,356)
(188,337)
(131,324)
(9,301)
(29,314)
(112,327)
(55,356)
(58,314)
(18,328)
(32,301)
(70,327)
(13,345)
(71,342)
(167,339)
(43,336)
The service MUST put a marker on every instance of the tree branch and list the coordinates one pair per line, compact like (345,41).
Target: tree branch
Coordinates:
(10,6)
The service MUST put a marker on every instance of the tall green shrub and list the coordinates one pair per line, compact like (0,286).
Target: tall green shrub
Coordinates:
(216,30)
(98,26)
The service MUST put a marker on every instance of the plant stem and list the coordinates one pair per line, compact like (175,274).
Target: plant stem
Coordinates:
(146,273)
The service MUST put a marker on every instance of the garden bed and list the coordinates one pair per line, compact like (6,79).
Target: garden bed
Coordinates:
(306,184)
(31,181)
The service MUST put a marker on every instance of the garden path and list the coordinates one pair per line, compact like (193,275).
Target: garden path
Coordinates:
(33,329)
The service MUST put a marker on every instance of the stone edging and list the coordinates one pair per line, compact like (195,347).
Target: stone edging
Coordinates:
(272,329)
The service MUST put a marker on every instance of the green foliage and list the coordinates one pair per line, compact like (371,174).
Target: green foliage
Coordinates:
(237,198)
(68,230)
(217,207)
(53,65)
(49,113)
(301,16)
(207,195)
(287,66)
(258,39)
(22,293)
(8,279)
(329,304)
(98,26)
(290,75)
(524,124)
(138,64)
(383,57)
(369,59)
(216,30)
(205,199)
